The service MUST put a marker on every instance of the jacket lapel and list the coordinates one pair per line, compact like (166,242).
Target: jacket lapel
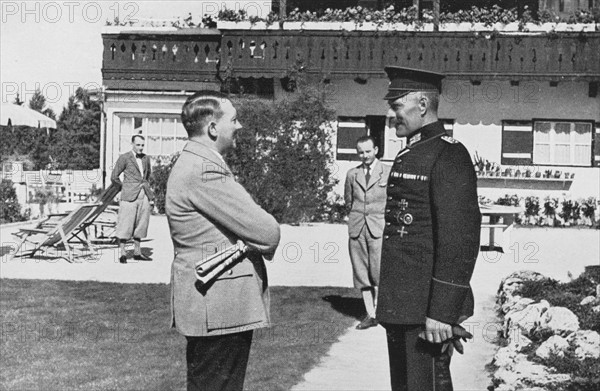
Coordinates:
(134,161)
(376,176)
(360,178)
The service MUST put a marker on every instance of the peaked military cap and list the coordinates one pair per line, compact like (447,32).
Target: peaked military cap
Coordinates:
(405,80)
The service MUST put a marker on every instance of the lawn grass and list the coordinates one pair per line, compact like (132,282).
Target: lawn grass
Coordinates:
(70,335)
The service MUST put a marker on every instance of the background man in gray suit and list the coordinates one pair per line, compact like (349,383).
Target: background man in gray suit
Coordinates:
(208,211)
(134,208)
(365,196)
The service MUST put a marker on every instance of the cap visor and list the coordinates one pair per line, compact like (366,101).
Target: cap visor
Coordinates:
(393,95)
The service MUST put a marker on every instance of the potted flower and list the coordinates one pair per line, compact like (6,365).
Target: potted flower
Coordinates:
(550,205)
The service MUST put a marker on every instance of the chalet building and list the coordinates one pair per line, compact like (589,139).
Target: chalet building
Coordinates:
(528,102)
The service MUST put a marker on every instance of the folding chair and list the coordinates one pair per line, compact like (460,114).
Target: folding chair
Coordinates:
(94,219)
(54,231)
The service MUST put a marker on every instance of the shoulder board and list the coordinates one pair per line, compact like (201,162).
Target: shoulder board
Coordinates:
(449,139)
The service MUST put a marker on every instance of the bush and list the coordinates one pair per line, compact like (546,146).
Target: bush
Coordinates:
(158,181)
(283,158)
(284,155)
(10,209)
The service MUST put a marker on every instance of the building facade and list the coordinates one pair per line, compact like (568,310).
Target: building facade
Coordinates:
(527,102)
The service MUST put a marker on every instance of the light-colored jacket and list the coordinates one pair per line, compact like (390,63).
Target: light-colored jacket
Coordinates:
(133,181)
(209,211)
(366,202)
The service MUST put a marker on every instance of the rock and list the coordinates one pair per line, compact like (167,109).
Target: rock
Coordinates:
(556,345)
(588,300)
(586,343)
(560,321)
(513,282)
(519,343)
(527,320)
(516,303)
(522,374)
(504,357)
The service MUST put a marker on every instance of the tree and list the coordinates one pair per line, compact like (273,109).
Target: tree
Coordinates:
(10,209)
(77,140)
(38,103)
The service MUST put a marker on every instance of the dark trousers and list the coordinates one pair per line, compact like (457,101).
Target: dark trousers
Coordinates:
(415,364)
(219,362)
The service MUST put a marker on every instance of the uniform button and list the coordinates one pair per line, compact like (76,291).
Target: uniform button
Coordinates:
(386,237)
(388,210)
(230,272)
(391,185)
(388,224)
(389,198)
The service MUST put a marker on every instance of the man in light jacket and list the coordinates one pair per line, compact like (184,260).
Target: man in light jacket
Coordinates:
(208,211)
(365,196)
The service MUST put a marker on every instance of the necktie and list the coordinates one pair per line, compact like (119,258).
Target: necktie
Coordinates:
(368,174)
(139,155)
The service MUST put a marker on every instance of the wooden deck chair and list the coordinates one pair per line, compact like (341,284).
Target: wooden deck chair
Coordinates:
(82,232)
(54,231)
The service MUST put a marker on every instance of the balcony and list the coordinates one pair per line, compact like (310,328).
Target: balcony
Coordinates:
(182,59)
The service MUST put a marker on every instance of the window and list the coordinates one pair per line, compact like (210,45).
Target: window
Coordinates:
(349,130)
(164,133)
(562,143)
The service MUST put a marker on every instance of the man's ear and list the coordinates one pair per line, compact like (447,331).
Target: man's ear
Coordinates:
(211,130)
(423,105)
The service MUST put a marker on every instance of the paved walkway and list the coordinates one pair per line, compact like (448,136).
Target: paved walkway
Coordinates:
(318,256)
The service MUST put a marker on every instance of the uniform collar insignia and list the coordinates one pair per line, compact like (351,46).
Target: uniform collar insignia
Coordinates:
(415,138)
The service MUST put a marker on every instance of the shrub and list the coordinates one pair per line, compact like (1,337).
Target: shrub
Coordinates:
(158,181)
(284,155)
(10,209)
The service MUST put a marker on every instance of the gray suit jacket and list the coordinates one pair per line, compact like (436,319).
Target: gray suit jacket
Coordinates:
(209,211)
(133,182)
(366,202)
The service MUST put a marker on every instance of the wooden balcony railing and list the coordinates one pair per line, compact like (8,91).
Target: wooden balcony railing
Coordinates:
(154,60)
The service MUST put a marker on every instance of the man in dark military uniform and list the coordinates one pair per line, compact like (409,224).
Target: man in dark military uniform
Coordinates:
(431,237)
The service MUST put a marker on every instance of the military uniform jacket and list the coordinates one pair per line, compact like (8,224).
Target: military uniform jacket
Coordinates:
(366,201)
(431,238)
(208,211)
(133,181)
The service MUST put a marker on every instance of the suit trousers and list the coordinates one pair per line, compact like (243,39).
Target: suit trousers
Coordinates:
(415,364)
(218,362)
(365,255)
(133,218)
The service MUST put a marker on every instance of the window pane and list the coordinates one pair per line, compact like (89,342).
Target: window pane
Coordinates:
(583,154)
(168,127)
(168,145)
(542,131)
(583,133)
(562,127)
(153,145)
(137,124)
(126,126)
(124,143)
(561,154)
(181,132)
(154,126)
(542,154)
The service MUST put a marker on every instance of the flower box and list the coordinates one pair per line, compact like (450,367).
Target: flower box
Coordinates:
(245,25)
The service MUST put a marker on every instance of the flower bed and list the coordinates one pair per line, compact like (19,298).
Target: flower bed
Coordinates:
(550,333)
(389,19)
(551,212)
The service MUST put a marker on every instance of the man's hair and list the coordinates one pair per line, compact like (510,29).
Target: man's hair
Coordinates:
(199,108)
(137,136)
(363,139)
(434,100)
